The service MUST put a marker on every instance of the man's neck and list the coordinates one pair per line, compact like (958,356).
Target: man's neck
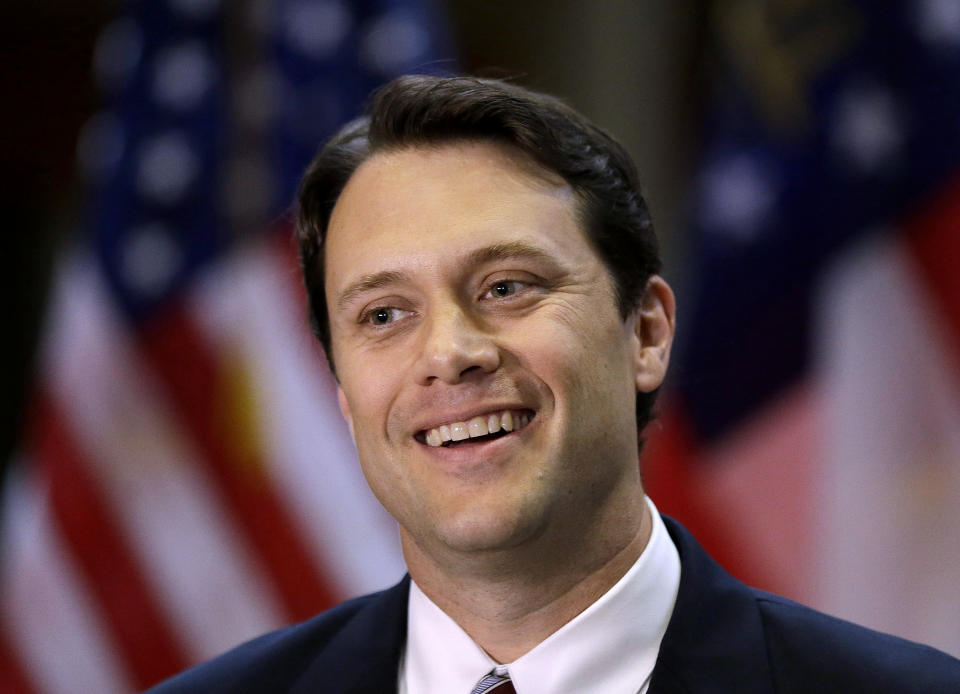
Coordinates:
(515,602)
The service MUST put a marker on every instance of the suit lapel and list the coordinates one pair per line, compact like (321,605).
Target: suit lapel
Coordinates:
(364,656)
(714,641)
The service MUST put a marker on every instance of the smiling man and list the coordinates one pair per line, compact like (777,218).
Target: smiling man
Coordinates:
(489,380)
(482,273)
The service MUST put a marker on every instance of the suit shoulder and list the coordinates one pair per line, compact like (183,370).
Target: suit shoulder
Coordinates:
(269,662)
(812,651)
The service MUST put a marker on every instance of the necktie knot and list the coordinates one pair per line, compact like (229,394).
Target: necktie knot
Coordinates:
(495,684)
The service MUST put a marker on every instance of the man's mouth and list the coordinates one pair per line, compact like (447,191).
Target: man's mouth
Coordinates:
(477,429)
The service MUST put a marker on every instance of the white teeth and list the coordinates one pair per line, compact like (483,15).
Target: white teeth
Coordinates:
(458,431)
(477,426)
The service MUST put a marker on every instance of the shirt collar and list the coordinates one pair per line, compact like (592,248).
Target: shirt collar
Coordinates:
(597,651)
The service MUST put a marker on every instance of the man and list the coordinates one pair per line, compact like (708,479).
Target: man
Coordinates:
(482,273)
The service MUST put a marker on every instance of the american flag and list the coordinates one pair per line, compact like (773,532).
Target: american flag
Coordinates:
(186,481)
(813,433)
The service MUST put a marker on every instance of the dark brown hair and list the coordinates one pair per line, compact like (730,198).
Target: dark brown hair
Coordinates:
(418,110)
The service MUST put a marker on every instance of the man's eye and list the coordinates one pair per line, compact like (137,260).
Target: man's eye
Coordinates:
(505,288)
(383,315)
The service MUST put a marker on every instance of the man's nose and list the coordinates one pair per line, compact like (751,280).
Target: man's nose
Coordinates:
(454,346)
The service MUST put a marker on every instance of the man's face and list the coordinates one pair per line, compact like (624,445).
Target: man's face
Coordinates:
(462,292)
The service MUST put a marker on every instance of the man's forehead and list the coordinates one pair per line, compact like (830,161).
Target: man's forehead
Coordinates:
(405,195)
(404,160)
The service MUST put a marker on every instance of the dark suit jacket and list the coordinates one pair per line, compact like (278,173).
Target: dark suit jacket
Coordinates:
(722,637)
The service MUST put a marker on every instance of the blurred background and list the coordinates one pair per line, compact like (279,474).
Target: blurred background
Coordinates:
(176,476)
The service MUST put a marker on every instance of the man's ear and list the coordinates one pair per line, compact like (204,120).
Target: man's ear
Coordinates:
(653,327)
(345,409)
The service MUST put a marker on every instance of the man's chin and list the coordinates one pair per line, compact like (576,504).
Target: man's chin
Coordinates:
(478,534)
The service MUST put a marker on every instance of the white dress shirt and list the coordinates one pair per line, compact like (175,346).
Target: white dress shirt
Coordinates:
(609,648)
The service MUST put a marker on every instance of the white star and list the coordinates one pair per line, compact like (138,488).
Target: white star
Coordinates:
(166,167)
(867,129)
(182,75)
(150,259)
(316,28)
(938,21)
(737,196)
(393,43)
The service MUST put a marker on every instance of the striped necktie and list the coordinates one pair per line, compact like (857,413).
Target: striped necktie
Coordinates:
(495,684)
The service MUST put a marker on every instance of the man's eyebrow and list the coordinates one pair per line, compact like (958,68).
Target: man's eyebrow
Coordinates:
(368,283)
(508,251)
(488,254)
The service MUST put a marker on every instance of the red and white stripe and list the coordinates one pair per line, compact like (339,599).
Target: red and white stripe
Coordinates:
(55,635)
(842,493)
(889,549)
(184,487)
